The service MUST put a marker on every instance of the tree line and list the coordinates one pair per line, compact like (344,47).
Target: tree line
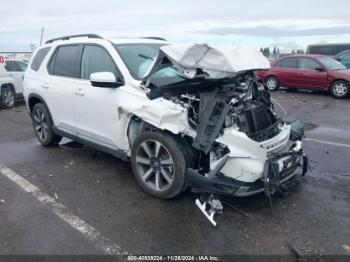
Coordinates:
(275,53)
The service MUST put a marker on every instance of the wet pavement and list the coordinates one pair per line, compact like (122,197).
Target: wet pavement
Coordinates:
(101,190)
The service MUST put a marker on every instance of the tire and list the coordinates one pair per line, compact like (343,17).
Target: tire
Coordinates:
(161,174)
(7,97)
(272,83)
(43,126)
(340,89)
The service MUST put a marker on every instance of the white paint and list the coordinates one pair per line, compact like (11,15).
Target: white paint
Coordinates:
(327,142)
(89,232)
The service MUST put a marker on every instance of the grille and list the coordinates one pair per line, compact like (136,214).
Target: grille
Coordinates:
(266,133)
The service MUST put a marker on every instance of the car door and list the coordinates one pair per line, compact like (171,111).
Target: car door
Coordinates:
(312,74)
(286,71)
(96,110)
(63,70)
(17,73)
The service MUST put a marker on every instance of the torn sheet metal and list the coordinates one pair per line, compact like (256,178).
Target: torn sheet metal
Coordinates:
(160,113)
(216,62)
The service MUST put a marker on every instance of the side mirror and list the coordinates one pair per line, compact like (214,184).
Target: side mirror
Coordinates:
(338,59)
(105,80)
(319,69)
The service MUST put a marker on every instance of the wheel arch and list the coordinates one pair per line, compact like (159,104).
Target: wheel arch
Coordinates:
(8,85)
(336,80)
(33,99)
(269,75)
(137,126)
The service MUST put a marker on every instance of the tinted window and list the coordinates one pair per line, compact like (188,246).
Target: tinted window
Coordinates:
(39,57)
(307,63)
(288,63)
(65,61)
(96,59)
(12,66)
(322,50)
(328,50)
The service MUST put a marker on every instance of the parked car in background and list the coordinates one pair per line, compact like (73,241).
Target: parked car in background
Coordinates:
(11,81)
(314,72)
(16,70)
(327,49)
(344,58)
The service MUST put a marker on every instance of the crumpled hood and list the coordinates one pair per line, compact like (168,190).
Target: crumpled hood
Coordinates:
(215,62)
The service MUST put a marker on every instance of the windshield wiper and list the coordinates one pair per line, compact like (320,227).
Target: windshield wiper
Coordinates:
(146,57)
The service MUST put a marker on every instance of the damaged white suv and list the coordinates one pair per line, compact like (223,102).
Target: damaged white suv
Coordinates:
(185,115)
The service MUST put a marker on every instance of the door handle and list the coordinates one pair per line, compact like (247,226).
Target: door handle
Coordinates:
(79,92)
(45,85)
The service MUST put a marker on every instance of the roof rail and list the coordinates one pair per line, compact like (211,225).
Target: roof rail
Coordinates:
(154,38)
(73,36)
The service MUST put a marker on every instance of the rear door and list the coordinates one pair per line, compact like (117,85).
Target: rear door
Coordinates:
(63,70)
(286,71)
(312,74)
(17,73)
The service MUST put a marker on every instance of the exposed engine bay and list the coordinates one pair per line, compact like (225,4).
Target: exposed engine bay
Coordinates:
(241,103)
(240,146)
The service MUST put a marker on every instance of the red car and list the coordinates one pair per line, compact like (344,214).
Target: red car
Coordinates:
(314,72)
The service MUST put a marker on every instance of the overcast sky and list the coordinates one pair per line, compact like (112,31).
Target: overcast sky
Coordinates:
(286,23)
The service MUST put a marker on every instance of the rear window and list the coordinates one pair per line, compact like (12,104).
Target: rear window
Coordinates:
(12,66)
(288,63)
(39,57)
(307,63)
(66,61)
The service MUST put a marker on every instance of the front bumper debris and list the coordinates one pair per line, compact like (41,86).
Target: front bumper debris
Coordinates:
(295,165)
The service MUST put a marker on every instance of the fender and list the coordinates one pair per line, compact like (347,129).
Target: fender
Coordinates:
(37,97)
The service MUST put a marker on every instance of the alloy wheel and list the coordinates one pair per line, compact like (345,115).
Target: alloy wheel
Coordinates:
(155,165)
(9,98)
(340,89)
(40,124)
(271,84)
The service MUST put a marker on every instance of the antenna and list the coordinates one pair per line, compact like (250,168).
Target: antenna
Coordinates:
(42,34)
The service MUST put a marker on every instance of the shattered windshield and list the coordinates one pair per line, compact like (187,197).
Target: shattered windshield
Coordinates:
(138,57)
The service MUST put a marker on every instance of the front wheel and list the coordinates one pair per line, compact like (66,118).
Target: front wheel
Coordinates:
(43,126)
(340,89)
(272,83)
(159,164)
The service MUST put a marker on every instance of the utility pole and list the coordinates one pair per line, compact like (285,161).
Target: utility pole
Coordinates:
(42,34)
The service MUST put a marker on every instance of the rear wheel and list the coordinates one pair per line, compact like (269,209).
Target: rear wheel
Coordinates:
(272,83)
(340,89)
(43,126)
(7,97)
(159,164)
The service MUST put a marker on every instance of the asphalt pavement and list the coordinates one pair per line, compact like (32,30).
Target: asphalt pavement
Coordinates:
(74,200)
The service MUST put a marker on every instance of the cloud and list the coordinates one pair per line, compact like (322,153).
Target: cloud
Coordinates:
(269,31)
(247,22)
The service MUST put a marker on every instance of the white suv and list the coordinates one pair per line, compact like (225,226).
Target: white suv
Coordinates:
(185,115)
(11,81)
